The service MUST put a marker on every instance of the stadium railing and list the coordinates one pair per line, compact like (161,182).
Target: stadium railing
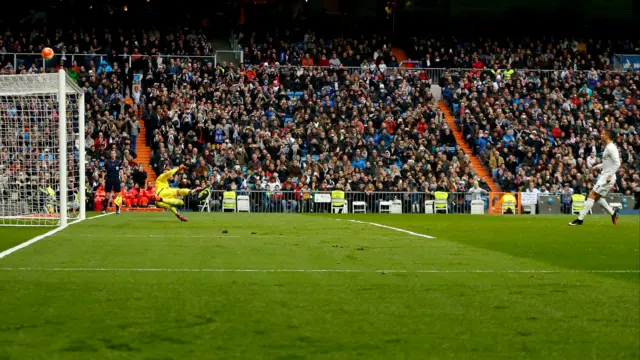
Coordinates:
(262,201)
(84,59)
(166,58)
(27,59)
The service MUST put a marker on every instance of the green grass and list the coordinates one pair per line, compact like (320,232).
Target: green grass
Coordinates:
(11,236)
(569,306)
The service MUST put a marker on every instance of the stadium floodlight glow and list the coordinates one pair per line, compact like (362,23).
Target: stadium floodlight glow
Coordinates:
(42,150)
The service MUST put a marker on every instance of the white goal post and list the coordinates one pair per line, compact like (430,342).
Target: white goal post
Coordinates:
(42,150)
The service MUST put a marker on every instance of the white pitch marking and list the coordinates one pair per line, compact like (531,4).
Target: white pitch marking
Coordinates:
(45,235)
(426,271)
(392,228)
(186,235)
(191,236)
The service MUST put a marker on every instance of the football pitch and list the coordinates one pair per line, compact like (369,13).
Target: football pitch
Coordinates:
(282,286)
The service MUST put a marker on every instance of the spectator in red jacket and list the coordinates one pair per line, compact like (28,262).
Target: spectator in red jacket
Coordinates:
(99,197)
(324,61)
(150,192)
(101,142)
(143,199)
(132,196)
(307,61)
(556,132)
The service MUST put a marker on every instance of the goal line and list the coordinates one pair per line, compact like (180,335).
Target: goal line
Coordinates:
(45,235)
(36,220)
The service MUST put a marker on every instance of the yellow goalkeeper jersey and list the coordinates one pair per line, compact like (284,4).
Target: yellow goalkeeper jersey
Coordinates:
(162,182)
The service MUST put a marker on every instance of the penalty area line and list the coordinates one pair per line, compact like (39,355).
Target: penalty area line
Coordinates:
(390,228)
(45,235)
(391,271)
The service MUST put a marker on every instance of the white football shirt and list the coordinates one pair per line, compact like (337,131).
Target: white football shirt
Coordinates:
(610,159)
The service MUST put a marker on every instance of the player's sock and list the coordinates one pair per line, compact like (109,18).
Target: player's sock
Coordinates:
(606,205)
(105,203)
(587,207)
(178,215)
(174,211)
(183,192)
(117,208)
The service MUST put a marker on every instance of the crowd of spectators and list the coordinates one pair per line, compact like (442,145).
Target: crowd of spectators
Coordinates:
(292,126)
(296,115)
(547,53)
(316,127)
(542,129)
(309,49)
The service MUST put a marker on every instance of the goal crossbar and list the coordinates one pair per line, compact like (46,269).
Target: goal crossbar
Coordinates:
(36,84)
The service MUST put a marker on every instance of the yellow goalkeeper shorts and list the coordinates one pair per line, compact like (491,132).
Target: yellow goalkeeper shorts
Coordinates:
(168,193)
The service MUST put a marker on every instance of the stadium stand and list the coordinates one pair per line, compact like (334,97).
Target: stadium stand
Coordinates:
(315,113)
(541,127)
(546,53)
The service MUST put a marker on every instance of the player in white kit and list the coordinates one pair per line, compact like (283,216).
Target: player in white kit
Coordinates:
(609,166)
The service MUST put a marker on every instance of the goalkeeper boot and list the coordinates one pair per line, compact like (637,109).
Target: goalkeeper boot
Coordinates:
(182,218)
(197,190)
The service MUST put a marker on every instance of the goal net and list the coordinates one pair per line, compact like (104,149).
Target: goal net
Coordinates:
(41,150)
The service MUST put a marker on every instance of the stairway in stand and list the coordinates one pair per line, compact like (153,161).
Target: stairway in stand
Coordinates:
(144,157)
(400,55)
(479,168)
(143,151)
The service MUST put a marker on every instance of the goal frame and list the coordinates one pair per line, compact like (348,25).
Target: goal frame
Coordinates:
(43,84)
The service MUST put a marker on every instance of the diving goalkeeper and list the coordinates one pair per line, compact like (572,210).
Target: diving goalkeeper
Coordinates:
(167,197)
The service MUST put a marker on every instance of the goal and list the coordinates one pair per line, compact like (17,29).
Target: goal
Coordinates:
(42,172)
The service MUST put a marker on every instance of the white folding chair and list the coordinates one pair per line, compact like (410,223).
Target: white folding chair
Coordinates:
(477,207)
(428,206)
(359,207)
(529,209)
(396,207)
(206,206)
(437,208)
(229,204)
(384,206)
(343,208)
(243,203)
